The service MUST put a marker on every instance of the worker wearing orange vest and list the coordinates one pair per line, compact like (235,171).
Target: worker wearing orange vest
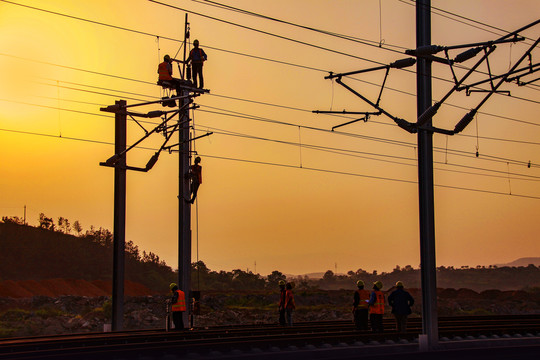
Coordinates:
(376,307)
(360,306)
(178,306)
(197,56)
(165,72)
(165,69)
(289,303)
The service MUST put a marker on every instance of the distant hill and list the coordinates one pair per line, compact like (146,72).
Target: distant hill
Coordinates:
(526,261)
(33,253)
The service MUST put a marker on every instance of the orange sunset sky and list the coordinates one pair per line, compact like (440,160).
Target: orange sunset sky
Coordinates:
(279,189)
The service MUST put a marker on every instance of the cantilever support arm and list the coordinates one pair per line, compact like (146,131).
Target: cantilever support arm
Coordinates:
(410,127)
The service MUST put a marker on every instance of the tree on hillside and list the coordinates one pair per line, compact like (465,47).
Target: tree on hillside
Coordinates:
(45,222)
(64,225)
(274,277)
(12,220)
(77,227)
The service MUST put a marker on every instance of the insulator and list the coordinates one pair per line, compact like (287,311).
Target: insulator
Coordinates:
(469,54)
(152,161)
(466,120)
(155,114)
(403,63)
(428,114)
(425,50)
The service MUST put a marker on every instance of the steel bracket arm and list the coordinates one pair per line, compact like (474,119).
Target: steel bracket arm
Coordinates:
(404,124)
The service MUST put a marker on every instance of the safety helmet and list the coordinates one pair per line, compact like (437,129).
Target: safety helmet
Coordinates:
(399,284)
(195,42)
(198,159)
(281,282)
(359,283)
(378,284)
(172,286)
(167,58)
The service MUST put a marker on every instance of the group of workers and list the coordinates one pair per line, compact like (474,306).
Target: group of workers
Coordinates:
(195,60)
(372,304)
(366,305)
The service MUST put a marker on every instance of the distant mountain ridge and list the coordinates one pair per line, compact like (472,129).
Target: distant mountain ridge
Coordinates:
(526,261)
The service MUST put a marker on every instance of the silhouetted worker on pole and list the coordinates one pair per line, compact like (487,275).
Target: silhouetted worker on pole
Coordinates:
(376,307)
(401,302)
(282,293)
(178,306)
(165,72)
(197,56)
(360,306)
(195,176)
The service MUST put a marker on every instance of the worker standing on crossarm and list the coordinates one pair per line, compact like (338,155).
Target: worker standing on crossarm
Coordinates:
(282,293)
(178,306)
(289,303)
(195,178)
(401,302)
(376,307)
(360,306)
(197,56)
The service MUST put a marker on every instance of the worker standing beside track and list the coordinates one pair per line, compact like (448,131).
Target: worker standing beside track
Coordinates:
(282,296)
(289,303)
(401,302)
(376,307)
(360,306)
(178,306)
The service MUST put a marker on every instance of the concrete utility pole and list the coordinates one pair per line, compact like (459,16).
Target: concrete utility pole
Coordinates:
(425,182)
(119,230)
(184,209)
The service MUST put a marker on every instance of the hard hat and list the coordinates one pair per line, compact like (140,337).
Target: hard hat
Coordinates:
(281,282)
(195,42)
(167,58)
(172,286)
(399,284)
(378,284)
(359,283)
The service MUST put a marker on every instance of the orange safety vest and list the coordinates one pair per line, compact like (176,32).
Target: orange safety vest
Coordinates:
(196,170)
(364,297)
(180,304)
(289,300)
(163,71)
(378,306)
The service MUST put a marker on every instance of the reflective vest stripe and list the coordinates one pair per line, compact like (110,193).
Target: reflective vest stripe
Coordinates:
(180,304)
(378,306)
(364,295)
(163,72)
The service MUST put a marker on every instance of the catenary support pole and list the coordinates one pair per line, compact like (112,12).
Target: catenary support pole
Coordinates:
(184,211)
(425,181)
(119,230)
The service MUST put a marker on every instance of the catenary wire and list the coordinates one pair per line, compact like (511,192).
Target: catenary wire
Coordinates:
(372,156)
(287,166)
(196,13)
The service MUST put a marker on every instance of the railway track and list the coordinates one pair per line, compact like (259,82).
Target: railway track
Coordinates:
(264,338)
